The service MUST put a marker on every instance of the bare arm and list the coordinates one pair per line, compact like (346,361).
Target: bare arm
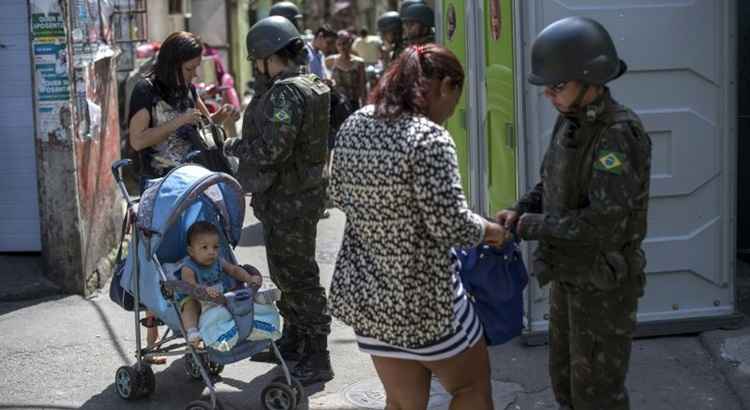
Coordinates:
(189,276)
(142,136)
(240,274)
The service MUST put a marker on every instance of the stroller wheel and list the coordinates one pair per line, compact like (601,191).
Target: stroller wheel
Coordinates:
(299,389)
(202,405)
(192,368)
(126,383)
(279,396)
(147,381)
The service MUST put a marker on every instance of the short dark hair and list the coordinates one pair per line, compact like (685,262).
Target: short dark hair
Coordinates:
(325,31)
(295,51)
(363,32)
(200,228)
(177,49)
(405,87)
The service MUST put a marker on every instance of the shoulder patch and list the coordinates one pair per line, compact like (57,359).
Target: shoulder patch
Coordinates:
(609,161)
(282,116)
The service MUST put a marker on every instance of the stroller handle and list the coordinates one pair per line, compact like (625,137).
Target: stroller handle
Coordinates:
(117,173)
(192,155)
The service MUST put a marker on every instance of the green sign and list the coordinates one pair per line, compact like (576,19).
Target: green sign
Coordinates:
(47,25)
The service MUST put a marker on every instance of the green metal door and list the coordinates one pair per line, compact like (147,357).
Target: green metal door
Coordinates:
(453,13)
(500,156)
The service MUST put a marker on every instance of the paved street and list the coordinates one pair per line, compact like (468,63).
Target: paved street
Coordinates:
(61,352)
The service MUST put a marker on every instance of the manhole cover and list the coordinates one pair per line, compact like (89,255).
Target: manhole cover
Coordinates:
(370,394)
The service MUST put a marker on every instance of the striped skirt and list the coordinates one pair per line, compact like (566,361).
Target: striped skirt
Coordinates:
(467,331)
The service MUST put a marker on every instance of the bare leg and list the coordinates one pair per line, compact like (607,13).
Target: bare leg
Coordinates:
(406,382)
(466,377)
(190,312)
(152,335)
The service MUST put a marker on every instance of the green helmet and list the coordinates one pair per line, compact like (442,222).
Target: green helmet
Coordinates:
(268,36)
(405,4)
(574,48)
(421,13)
(389,22)
(286,9)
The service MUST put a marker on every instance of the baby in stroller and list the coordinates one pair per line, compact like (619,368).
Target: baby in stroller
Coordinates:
(204,267)
(180,261)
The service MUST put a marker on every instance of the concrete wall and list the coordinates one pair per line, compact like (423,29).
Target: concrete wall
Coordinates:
(79,206)
(160,22)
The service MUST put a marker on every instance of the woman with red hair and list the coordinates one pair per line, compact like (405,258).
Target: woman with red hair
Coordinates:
(395,175)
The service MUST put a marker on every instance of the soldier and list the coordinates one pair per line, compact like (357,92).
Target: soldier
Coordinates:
(405,4)
(390,28)
(283,153)
(288,10)
(419,24)
(588,214)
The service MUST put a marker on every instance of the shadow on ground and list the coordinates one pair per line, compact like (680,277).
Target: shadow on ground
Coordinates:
(252,235)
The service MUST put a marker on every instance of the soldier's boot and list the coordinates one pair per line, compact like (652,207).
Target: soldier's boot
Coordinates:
(315,364)
(290,345)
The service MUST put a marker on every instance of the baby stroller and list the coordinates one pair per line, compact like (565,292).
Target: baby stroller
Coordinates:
(160,219)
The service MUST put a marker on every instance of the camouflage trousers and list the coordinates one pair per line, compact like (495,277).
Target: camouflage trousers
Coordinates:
(290,250)
(590,335)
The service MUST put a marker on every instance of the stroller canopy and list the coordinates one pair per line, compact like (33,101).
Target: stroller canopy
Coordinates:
(163,202)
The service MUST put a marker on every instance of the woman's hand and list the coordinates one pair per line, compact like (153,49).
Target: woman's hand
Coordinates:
(495,234)
(225,112)
(189,117)
(507,218)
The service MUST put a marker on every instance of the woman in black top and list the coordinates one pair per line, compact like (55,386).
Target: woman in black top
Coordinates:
(165,107)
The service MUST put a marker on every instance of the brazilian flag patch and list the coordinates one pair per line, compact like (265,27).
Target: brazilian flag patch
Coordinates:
(282,116)
(610,161)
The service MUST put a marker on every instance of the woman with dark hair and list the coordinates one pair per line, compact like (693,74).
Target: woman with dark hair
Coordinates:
(165,106)
(348,71)
(395,175)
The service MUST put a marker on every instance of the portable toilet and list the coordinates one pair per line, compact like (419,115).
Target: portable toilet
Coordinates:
(681,82)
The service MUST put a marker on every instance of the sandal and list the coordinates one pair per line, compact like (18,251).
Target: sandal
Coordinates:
(151,321)
(155,360)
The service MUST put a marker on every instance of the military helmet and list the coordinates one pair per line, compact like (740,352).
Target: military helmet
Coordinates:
(389,22)
(574,48)
(286,9)
(421,13)
(268,36)
(405,4)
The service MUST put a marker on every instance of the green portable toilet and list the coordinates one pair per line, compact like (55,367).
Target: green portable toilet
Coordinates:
(483,126)
(452,29)
(498,150)
(681,81)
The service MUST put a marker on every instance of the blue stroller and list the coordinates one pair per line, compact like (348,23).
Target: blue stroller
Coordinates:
(160,220)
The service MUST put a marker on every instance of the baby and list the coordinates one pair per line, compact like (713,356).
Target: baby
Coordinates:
(204,267)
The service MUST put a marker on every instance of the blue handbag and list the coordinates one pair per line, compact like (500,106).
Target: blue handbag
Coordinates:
(495,279)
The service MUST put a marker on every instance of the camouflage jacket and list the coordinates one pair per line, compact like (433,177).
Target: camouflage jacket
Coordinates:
(589,210)
(284,147)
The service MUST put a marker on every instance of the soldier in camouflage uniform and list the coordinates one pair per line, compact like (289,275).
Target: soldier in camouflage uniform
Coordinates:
(282,154)
(588,214)
(390,28)
(419,24)
(288,10)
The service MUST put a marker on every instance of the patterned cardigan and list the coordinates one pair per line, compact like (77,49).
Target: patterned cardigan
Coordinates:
(398,183)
